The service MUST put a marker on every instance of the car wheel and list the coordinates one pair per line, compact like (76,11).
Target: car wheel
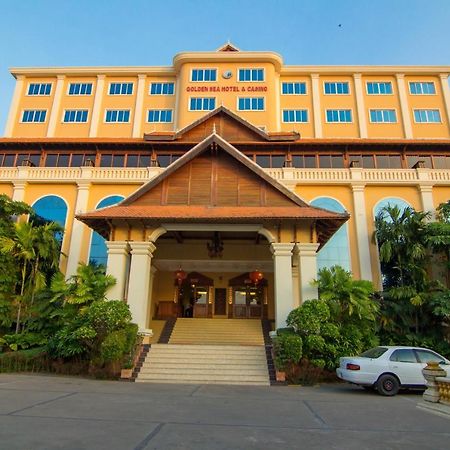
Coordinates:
(388,385)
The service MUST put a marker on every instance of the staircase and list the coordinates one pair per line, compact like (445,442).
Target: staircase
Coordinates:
(209,351)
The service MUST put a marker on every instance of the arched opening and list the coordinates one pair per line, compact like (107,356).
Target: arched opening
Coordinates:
(52,208)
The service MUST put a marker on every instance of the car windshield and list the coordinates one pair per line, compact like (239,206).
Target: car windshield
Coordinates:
(375,352)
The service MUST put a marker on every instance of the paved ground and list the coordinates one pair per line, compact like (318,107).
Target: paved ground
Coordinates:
(43,412)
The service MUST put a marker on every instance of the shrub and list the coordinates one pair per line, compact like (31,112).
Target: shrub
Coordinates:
(113,346)
(288,350)
(309,318)
(107,316)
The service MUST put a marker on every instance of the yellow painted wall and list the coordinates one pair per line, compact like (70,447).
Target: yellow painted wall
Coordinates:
(7,189)
(441,194)
(385,101)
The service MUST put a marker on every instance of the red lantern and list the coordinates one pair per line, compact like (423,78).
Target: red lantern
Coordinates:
(256,276)
(180,276)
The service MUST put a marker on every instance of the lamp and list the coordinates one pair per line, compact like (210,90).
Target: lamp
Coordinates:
(215,247)
(256,276)
(180,276)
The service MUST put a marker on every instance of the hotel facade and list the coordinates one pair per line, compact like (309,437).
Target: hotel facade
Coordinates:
(216,187)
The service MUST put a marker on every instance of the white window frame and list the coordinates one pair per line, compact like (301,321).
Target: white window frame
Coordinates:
(336,82)
(79,95)
(339,109)
(39,95)
(25,109)
(114,109)
(253,110)
(383,109)
(194,110)
(422,93)
(159,109)
(379,82)
(294,82)
(252,68)
(428,109)
(161,82)
(204,81)
(75,109)
(304,109)
(120,82)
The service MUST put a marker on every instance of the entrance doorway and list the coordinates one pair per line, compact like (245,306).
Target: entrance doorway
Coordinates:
(220,302)
(249,300)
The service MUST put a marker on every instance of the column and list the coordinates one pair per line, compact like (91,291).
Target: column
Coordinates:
(139,295)
(446,92)
(296,277)
(54,115)
(362,234)
(140,92)
(404,106)
(118,253)
(19,191)
(76,237)
(284,297)
(153,271)
(317,113)
(426,195)
(97,105)
(307,254)
(12,116)
(360,105)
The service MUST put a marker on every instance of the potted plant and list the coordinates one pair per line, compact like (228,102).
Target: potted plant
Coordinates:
(127,369)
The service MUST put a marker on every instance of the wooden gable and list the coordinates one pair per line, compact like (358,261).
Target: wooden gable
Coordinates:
(213,178)
(225,125)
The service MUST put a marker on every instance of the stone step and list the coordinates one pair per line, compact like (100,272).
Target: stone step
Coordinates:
(219,382)
(207,371)
(207,353)
(220,365)
(209,348)
(204,377)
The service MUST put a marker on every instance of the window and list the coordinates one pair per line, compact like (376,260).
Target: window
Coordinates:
(162,88)
(295,115)
(98,252)
(388,161)
(304,161)
(405,355)
(364,161)
(421,88)
(202,104)
(251,75)
(34,115)
(339,115)
(379,87)
(117,115)
(336,250)
(80,88)
(273,161)
(383,116)
(121,89)
(294,88)
(392,201)
(251,104)
(159,115)
(374,353)
(427,116)
(425,356)
(52,208)
(425,159)
(204,75)
(39,88)
(69,159)
(331,161)
(336,87)
(75,115)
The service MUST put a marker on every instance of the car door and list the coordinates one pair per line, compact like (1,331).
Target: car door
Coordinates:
(427,355)
(404,364)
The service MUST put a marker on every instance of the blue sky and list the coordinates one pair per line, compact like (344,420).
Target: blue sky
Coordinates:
(150,32)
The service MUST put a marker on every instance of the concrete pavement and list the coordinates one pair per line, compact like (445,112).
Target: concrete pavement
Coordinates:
(46,412)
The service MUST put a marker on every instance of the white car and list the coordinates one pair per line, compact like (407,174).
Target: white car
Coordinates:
(389,368)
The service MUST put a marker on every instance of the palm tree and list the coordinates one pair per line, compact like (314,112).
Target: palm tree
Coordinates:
(20,246)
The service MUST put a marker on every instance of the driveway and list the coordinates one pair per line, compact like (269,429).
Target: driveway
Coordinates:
(47,412)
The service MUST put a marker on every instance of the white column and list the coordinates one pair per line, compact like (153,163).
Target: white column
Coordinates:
(284,296)
(153,271)
(139,282)
(19,191)
(296,277)
(96,110)
(360,105)
(140,92)
(362,234)
(307,270)
(317,113)
(76,237)
(54,114)
(118,253)
(406,118)
(13,110)
(446,91)
(426,195)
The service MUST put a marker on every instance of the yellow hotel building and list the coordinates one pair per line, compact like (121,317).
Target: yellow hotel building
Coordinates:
(229,166)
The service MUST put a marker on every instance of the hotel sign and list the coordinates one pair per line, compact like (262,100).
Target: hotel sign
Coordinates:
(226,89)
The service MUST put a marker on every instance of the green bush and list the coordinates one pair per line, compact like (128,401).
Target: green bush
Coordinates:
(288,350)
(113,346)
(107,316)
(22,341)
(309,318)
